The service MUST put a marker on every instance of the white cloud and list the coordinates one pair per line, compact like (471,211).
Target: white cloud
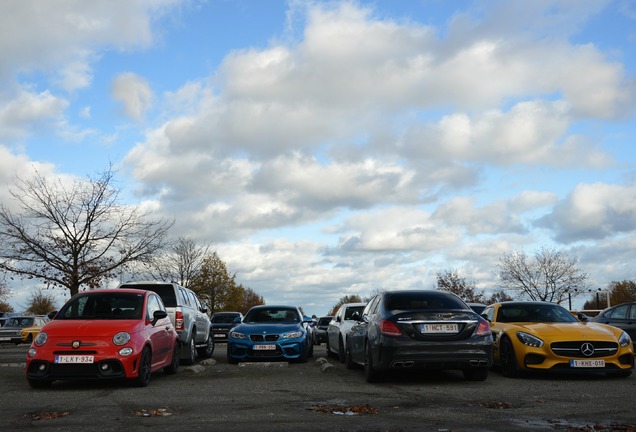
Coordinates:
(134,93)
(593,211)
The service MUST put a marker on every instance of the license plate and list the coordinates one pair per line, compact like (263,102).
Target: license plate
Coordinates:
(74,359)
(587,363)
(264,347)
(439,328)
(3,339)
(219,335)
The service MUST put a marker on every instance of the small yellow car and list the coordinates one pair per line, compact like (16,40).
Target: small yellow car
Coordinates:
(543,336)
(29,333)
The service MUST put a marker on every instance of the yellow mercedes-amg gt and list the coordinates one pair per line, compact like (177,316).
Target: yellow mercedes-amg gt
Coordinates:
(544,336)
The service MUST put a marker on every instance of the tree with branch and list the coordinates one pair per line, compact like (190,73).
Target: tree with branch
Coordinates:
(180,264)
(548,275)
(74,235)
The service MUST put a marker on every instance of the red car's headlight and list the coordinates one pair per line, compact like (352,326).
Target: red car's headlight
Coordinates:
(121,338)
(41,338)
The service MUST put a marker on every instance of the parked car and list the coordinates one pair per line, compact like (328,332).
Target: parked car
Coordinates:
(403,330)
(321,329)
(270,333)
(543,336)
(622,316)
(222,322)
(339,327)
(11,331)
(477,307)
(112,334)
(188,315)
(29,333)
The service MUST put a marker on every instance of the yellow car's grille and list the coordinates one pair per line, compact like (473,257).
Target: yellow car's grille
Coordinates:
(584,349)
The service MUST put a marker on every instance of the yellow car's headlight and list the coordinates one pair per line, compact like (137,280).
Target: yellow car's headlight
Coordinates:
(529,340)
(624,340)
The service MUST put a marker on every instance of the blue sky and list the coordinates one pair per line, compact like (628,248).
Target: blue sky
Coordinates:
(337,148)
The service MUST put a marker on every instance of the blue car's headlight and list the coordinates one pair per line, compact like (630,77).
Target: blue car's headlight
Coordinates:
(237,335)
(292,335)
(529,340)
(624,340)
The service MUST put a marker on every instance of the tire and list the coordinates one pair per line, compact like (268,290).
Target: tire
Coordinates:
(144,369)
(189,352)
(310,354)
(370,374)
(329,352)
(305,353)
(230,359)
(349,363)
(508,359)
(29,338)
(476,374)
(173,367)
(208,349)
(40,384)
(341,351)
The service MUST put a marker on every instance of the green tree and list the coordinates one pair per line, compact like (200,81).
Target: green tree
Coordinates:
(354,298)
(74,234)
(213,283)
(547,275)
(41,303)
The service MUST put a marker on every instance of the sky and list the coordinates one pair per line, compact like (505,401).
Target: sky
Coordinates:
(336,148)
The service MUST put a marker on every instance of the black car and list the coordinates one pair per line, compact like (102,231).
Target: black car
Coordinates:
(404,330)
(321,329)
(222,322)
(622,316)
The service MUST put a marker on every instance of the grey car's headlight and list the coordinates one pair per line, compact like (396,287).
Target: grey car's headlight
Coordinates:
(237,335)
(624,340)
(292,335)
(41,338)
(529,340)
(121,338)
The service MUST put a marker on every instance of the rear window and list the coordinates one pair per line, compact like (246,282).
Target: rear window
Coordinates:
(324,321)
(418,301)
(166,292)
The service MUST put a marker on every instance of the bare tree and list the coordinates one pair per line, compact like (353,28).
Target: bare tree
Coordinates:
(41,303)
(180,264)
(548,275)
(354,298)
(4,295)
(451,281)
(74,235)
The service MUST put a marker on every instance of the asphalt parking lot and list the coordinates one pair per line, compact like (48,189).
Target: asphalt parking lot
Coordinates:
(321,395)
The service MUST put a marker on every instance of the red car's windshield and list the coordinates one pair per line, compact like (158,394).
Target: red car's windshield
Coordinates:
(110,305)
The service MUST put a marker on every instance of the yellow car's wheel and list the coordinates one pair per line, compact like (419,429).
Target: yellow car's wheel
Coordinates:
(508,359)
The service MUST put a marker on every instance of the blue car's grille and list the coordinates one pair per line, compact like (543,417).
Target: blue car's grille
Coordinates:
(264,338)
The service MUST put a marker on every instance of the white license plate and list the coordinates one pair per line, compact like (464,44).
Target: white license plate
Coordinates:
(439,328)
(3,339)
(219,335)
(74,359)
(264,347)
(587,363)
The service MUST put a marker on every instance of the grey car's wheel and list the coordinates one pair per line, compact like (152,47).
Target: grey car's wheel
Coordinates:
(508,359)
(208,349)
(348,359)
(370,374)
(173,368)
(341,351)
(145,368)
(189,352)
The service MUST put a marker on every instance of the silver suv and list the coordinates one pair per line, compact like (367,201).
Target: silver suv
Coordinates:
(188,315)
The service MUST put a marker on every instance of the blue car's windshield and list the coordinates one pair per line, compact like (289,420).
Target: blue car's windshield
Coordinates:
(94,305)
(272,315)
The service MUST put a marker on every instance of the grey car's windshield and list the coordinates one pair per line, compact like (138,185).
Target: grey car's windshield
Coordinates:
(103,306)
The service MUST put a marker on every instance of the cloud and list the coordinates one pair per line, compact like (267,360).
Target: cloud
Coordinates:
(134,93)
(30,111)
(592,212)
